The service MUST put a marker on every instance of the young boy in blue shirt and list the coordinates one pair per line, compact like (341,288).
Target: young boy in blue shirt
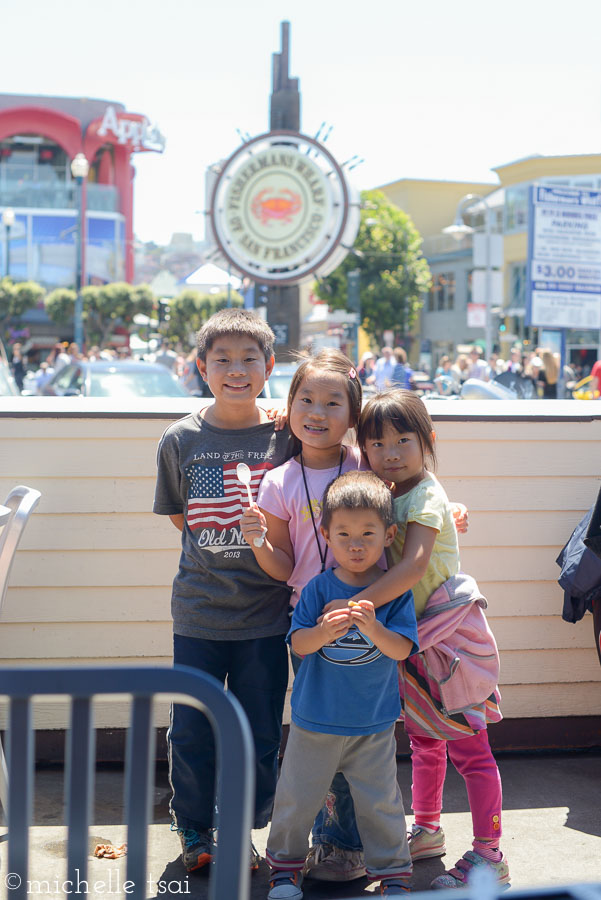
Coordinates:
(229,618)
(345,699)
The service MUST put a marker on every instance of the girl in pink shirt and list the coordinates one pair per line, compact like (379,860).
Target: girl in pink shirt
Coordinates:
(324,403)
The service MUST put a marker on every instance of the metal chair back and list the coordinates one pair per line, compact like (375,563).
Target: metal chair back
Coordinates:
(230,872)
(21,501)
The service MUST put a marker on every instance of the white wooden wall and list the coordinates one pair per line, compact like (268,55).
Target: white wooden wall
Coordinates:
(91,581)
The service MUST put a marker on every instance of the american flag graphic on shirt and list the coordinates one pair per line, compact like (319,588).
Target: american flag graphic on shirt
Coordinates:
(216,497)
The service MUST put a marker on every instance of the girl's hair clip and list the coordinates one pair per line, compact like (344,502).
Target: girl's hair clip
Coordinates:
(352,373)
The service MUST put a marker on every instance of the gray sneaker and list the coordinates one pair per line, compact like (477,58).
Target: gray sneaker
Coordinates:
(460,874)
(326,862)
(285,886)
(197,847)
(423,845)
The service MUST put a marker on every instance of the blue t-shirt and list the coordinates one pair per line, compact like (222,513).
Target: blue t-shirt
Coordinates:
(349,686)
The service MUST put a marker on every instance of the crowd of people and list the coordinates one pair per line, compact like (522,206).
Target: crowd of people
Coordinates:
(34,376)
(370,640)
(539,365)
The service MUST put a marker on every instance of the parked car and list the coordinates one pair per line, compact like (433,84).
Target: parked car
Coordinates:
(278,384)
(126,378)
(8,388)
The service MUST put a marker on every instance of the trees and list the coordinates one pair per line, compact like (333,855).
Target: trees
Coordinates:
(392,272)
(15,299)
(191,309)
(103,307)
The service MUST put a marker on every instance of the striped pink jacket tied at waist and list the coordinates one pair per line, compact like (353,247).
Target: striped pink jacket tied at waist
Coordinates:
(459,648)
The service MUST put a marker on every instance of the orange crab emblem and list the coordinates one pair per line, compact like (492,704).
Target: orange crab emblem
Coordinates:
(283,206)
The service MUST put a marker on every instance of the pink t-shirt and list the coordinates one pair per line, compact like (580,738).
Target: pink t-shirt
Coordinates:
(282,493)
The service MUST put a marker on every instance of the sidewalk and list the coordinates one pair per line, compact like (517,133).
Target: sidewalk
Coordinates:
(552,832)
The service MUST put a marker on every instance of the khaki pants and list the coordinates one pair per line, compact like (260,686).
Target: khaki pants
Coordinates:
(368,763)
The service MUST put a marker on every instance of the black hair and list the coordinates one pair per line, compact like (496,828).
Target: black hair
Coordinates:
(357,490)
(239,323)
(406,412)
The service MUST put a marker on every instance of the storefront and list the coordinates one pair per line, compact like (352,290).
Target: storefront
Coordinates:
(39,138)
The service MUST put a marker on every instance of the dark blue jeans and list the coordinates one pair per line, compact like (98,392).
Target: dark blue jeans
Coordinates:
(257,675)
(335,822)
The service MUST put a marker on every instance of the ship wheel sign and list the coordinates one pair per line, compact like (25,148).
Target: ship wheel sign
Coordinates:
(282,210)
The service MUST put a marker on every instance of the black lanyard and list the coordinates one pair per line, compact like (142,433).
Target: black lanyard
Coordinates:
(322,555)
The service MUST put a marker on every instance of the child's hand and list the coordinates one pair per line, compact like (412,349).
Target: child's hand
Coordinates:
(280,416)
(253,524)
(363,615)
(460,515)
(335,604)
(335,624)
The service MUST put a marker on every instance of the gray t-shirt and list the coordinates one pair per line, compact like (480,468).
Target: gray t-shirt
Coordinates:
(220,592)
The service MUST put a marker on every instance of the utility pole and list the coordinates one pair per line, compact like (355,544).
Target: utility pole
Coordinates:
(283,306)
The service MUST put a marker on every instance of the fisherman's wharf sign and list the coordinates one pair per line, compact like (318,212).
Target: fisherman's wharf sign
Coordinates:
(281,207)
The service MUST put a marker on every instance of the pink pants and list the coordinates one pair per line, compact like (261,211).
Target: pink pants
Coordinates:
(473,759)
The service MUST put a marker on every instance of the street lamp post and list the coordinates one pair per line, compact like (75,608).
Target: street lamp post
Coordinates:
(458,230)
(354,304)
(79,170)
(8,220)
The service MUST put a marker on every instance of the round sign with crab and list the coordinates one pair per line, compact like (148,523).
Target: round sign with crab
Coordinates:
(281,208)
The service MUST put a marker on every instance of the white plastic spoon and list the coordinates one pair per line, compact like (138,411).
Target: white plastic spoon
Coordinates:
(244,476)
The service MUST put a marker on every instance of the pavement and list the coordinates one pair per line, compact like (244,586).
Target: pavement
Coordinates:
(552,832)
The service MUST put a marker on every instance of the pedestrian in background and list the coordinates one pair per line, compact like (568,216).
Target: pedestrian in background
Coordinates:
(444,366)
(596,377)
(460,370)
(478,367)
(402,372)
(548,375)
(514,363)
(384,368)
(17,365)
(166,356)
(366,367)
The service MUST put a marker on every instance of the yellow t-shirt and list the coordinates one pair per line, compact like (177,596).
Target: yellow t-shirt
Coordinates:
(427,504)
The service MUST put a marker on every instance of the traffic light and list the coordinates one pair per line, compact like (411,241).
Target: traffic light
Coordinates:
(163,310)
(261,294)
(352,289)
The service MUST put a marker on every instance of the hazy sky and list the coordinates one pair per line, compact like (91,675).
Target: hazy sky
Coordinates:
(429,89)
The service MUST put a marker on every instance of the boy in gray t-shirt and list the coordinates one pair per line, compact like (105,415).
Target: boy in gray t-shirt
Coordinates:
(229,617)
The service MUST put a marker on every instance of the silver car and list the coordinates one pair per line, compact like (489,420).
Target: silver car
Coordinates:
(119,378)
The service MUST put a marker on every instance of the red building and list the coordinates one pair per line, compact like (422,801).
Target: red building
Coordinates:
(39,137)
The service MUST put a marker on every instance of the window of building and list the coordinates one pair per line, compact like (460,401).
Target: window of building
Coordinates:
(432,295)
(450,276)
(518,285)
(34,171)
(516,208)
(442,293)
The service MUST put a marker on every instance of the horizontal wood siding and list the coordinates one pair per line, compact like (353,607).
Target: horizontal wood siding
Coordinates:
(91,582)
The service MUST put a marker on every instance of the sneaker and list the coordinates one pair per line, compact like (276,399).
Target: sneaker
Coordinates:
(423,845)
(285,886)
(329,863)
(459,876)
(197,847)
(255,858)
(393,889)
